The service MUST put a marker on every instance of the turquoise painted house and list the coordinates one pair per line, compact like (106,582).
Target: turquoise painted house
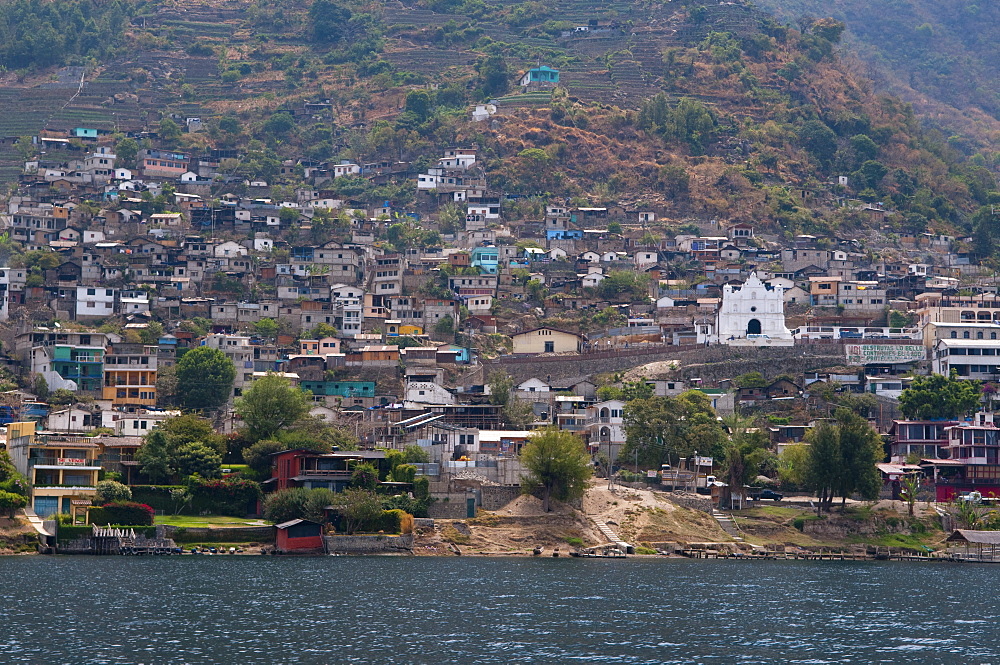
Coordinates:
(543,75)
(487,259)
(340,388)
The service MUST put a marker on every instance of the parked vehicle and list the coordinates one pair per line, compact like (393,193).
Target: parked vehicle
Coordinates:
(766,494)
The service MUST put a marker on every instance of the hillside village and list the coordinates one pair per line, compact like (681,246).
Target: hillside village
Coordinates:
(399,331)
(659,235)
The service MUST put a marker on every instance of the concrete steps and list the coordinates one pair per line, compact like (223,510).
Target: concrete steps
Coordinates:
(612,536)
(727,524)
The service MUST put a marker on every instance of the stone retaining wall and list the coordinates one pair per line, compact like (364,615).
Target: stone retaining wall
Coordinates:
(376,544)
(496,497)
(242,534)
(694,502)
(707,363)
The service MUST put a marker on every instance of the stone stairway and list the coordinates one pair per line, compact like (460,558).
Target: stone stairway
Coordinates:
(727,524)
(611,535)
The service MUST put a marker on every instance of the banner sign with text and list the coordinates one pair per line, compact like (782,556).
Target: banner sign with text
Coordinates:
(884,354)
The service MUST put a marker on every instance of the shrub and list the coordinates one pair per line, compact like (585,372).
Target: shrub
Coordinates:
(229,496)
(575,542)
(645,550)
(111,491)
(122,513)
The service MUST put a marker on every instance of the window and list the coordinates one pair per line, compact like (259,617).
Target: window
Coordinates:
(965,335)
(550,347)
(954,335)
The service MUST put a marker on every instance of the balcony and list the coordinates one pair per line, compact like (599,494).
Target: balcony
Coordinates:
(64,463)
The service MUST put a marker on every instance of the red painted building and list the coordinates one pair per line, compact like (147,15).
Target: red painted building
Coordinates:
(973,460)
(304,468)
(298,536)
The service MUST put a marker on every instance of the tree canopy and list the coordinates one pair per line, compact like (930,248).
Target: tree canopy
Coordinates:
(662,429)
(270,405)
(204,378)
(939,397)
(557,463)
(842,458)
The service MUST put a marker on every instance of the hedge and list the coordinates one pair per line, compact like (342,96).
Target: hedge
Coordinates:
(232,495)
(122,512)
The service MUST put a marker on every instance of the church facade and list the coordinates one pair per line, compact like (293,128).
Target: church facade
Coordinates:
(753,315)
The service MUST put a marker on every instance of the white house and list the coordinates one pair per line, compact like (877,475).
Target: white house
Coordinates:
(346,168)
(606,427)
(72,419)
(535,387)
(591,280)
(229,249)
(92,301)
(426,392)
(753,315)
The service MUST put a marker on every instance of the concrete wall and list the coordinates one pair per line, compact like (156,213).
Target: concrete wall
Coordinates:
(449,506)
(377,544)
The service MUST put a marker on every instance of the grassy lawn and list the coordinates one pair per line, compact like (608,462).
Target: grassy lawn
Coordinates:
(188,521)
(770,512)
(236,468)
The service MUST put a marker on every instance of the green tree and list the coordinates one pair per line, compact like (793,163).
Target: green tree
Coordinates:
(557,463)
(110,491)
(823,471)
(939,397)
(911,484)
(329,21)
(624,285)
(860,451)
(516,412)
(842,459)
(10,503)
(267,328)
(279,124)
(151,333)
(358,507)
(819,140)
(170,131)
(270,405)
(316,503)
(205,378)
(188,427)
(126,150)
(26,148)
(62,397)
(793,464)
(494,75)
(365,476)
(414,454)
(287,504)
(258,455)
(154,455)
(196,457)
(663,429)
(419,103)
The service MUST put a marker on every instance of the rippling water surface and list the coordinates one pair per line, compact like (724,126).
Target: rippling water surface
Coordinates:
(245,610)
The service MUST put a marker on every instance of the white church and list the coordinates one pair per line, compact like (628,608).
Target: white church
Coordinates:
(752,315)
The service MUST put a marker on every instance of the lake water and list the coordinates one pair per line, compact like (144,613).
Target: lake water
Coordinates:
(159,610)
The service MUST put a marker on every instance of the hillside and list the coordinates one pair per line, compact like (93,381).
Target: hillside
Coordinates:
(941,56)
(700,111)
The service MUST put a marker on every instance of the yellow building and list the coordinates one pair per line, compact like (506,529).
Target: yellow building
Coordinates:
(547,340)
(409,329)
(62,469)
(130,375)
